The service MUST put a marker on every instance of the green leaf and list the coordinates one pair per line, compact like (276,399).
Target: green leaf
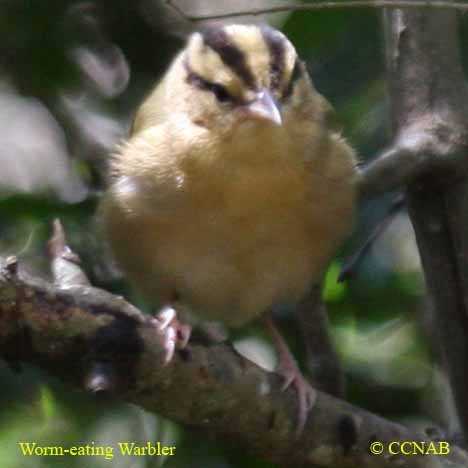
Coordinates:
(332,290)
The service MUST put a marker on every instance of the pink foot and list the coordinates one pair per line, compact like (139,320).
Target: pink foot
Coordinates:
(175,333)
(288,369)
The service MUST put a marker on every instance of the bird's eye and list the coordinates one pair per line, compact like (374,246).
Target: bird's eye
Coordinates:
(221,93)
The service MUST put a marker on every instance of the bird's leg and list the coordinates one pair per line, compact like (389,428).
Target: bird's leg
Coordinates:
(175,333)
(288,369)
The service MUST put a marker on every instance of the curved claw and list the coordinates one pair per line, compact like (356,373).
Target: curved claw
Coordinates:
(306,395)
(169,345)
(183,334)
(175,333)
(287,368)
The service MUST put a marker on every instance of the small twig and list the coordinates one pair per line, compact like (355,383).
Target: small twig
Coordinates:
(11,264)
(65,264)
(320,6)
(389,170)
(353,263)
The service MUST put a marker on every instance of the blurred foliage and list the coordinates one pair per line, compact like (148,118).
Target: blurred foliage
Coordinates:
(72,73)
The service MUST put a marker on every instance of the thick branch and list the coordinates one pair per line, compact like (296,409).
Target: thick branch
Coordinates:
(429,100)
(87,336)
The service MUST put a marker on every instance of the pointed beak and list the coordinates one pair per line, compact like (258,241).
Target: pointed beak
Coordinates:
(265,107)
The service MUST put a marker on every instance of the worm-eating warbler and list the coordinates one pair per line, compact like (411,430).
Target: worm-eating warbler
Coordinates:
(234,189)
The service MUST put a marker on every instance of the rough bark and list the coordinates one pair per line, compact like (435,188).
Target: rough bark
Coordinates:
(429,115)
(95,340)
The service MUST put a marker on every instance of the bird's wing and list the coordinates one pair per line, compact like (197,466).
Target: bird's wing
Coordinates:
(145,172)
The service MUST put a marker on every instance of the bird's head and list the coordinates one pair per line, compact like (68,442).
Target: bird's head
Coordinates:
(244,75)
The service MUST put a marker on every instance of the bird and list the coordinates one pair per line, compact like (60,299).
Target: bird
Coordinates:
(233,191)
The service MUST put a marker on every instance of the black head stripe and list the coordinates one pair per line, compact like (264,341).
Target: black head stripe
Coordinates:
(297,73)
(276,46)
(217,39)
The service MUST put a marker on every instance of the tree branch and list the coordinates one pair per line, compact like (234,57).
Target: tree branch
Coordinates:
(429,99)
(89,337)
(416,153)
(320,6)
